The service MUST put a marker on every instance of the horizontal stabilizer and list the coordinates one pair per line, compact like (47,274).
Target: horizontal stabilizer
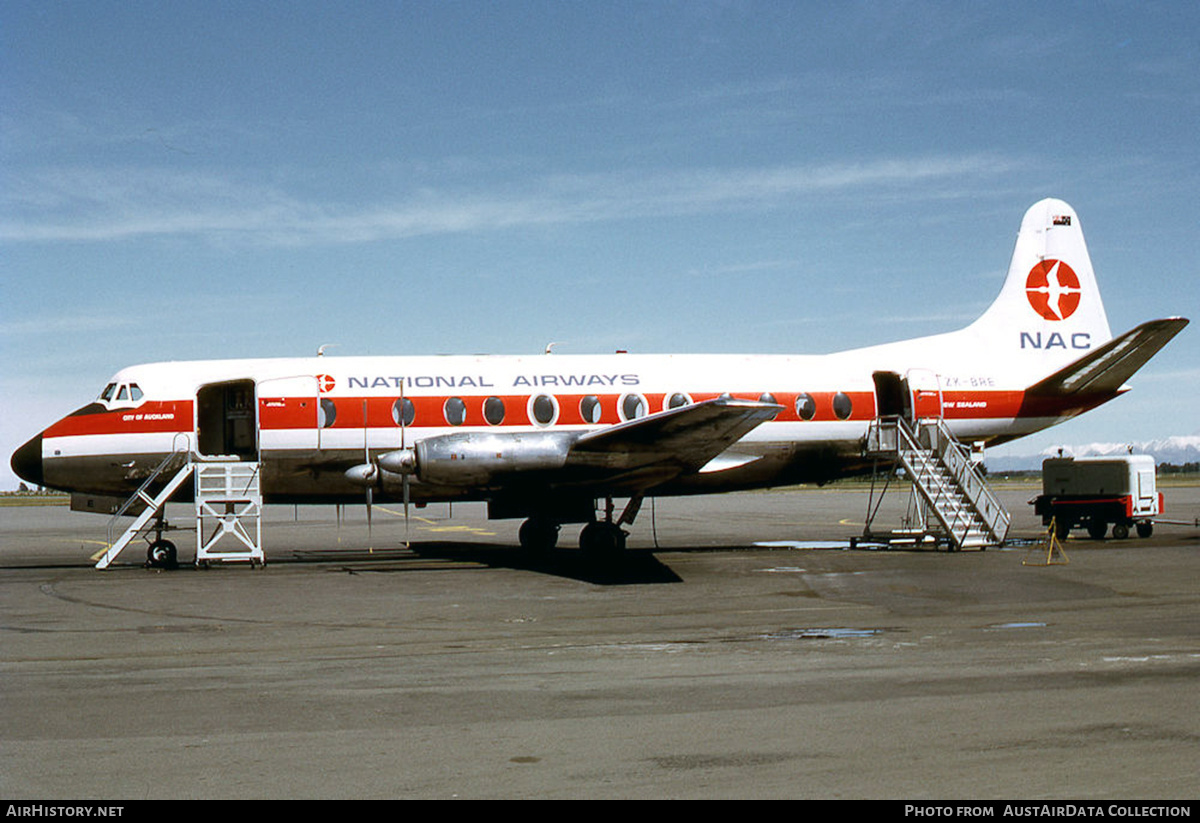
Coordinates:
(1107,368)
(687,437)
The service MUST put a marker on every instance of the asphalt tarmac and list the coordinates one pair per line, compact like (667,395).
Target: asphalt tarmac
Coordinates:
(740,650)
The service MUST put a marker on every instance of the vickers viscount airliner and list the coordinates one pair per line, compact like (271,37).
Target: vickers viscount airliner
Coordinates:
(554,438)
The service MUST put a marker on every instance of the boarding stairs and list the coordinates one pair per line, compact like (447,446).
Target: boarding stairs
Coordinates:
(949,486)
(228,503)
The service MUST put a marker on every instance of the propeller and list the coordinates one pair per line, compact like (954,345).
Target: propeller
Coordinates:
(373,477)
(366,474)
(405,475)
(403,462)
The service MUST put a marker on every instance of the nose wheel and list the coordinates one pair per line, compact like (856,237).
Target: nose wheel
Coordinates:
(161,554)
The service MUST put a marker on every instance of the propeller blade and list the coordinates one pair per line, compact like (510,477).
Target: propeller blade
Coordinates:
(374,475)
(404,483)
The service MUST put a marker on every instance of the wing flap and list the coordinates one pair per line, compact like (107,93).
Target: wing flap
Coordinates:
(1107,368)
(686,438)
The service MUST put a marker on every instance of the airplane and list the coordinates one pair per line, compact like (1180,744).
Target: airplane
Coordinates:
(546,437)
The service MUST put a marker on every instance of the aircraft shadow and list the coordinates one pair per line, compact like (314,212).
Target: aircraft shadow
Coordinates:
(631,567)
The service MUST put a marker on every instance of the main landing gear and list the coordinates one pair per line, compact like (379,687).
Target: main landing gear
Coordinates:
(538,535)
(599,540)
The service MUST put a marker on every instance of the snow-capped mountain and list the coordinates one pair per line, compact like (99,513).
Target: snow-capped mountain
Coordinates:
(1178,450)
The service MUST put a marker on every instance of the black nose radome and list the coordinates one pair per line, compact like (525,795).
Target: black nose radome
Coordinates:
(27,461)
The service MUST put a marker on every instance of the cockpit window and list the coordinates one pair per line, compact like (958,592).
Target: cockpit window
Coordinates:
(128,394)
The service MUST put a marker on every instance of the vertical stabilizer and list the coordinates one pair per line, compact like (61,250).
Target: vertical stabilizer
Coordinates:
(1049,311)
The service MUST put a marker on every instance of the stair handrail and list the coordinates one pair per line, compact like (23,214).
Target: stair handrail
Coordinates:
(893,434)
(957,459)
(140,494)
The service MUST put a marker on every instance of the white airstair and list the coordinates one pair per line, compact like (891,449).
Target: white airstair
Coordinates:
(228,503)
(954,503)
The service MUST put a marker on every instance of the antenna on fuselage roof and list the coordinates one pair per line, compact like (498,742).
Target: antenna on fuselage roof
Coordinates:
(550,347)
(321,349)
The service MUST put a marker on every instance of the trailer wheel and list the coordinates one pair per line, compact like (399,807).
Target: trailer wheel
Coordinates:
(1097,529)
(1120,531)
(1145,529)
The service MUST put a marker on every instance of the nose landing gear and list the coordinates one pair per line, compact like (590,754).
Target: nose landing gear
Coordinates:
(162,554)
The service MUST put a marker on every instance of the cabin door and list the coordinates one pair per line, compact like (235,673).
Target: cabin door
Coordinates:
(892,398)
(925,393)
(227,420)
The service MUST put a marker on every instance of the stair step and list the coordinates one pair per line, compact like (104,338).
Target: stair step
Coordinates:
(945,478)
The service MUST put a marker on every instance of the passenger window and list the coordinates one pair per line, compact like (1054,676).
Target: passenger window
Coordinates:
(455,411)
(543,409)
(326,413)
(842,405)
(806,407)
(633,406)
(493,411)
(403,412)
(589,409)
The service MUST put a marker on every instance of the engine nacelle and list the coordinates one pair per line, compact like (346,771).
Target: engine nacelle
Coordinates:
(478,458)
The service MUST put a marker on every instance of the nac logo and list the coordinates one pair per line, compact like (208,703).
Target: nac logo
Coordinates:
(325,383)
(1052,288)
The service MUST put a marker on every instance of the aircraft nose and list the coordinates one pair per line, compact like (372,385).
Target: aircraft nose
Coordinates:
(27,461)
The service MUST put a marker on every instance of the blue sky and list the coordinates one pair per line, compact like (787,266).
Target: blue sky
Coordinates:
(222,179)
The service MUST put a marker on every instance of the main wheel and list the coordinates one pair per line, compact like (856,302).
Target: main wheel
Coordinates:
(538,536)
(162,555)
(601,540)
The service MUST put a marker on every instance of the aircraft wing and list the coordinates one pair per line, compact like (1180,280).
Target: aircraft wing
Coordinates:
(1108,367)
(683,439)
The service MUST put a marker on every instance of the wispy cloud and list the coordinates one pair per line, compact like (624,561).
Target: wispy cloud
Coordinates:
(99,205)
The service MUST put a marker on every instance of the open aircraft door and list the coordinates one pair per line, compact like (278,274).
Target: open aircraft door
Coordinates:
(891,396)
(925,393)
(227,420)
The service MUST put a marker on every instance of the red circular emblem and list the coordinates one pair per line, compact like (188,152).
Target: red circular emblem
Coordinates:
(325,383)
(1053,289)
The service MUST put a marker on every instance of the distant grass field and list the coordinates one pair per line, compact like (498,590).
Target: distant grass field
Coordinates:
(34,499)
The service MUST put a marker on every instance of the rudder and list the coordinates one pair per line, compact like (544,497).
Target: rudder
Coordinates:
(1049,311)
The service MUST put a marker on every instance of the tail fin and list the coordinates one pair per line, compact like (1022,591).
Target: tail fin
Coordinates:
(1049,311)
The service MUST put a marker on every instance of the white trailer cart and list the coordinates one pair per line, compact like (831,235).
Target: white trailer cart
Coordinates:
(1096,492)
